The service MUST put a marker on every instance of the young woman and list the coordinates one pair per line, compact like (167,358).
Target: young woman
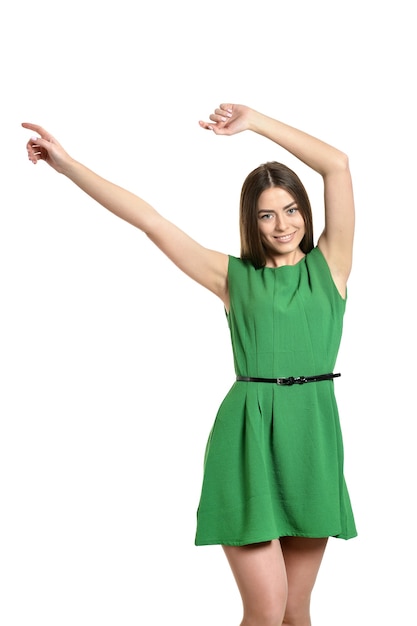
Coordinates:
(273,489)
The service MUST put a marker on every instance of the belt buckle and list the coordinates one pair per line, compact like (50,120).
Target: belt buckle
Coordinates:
(292,380)
(287,382)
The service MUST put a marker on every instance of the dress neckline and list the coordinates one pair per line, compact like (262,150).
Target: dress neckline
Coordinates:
(280,267)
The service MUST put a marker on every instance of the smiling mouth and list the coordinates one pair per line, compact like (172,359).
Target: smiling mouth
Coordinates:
(285,238)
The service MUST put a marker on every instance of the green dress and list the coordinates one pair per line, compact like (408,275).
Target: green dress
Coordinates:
(274,459)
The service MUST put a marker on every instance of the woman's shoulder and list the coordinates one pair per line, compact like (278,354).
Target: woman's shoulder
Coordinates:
(316,257)
(319,270)
(237,263)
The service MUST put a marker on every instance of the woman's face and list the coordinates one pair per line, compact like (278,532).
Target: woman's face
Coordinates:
(280,222)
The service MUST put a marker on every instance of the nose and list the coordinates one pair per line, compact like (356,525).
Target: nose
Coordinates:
(280,223)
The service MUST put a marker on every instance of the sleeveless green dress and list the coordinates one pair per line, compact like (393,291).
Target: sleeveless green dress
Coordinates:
(273,465)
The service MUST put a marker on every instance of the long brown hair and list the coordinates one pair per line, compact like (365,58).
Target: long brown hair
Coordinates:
(271,174)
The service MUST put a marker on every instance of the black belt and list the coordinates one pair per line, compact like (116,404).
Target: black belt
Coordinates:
(291,380)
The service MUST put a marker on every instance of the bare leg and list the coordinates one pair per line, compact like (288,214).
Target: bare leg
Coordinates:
(302,562)
(276,578)
(259,571)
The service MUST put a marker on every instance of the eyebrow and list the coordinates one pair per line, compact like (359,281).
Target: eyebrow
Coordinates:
(288,206)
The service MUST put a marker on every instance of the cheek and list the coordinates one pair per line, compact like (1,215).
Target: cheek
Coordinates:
(264,229)
(301,223)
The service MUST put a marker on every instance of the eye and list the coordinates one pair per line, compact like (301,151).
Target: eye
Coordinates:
(292,210)
(266,216)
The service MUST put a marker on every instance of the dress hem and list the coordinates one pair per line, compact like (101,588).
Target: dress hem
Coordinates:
(214,542)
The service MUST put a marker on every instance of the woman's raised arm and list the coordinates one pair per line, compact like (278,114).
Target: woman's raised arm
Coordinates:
(207,267)
(336,240)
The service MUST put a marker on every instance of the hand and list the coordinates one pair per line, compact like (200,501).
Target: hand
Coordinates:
(45,148)
(228,119)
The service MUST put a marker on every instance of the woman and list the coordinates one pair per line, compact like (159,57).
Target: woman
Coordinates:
(273,488)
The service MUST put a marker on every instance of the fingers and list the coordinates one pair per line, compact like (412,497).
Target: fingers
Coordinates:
(37,147)
(45,148)
(34,150)
(30,126)
(227,108)
(222,114)
(220,117)
(38,129)
(205,125)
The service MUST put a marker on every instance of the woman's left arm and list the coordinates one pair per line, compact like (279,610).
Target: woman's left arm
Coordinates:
(336,240)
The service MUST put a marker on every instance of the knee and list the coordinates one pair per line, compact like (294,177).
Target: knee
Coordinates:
(297,616)
(267,616)
(304,621)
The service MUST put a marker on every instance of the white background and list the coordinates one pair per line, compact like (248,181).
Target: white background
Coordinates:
(113,364)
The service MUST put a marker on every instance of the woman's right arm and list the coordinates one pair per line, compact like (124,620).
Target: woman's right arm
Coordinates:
(205,266)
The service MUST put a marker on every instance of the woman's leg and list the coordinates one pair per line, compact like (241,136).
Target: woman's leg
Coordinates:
(302,562)
(259,571)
